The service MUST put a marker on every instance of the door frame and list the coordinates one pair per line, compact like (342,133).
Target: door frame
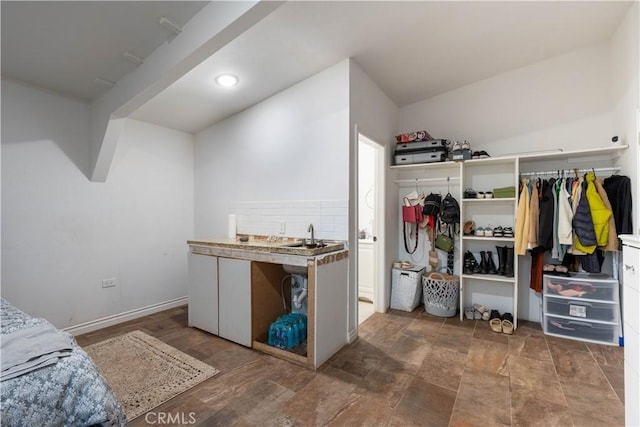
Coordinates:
(378,220)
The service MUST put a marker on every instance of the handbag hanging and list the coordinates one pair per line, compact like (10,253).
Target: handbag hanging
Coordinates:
(411,213)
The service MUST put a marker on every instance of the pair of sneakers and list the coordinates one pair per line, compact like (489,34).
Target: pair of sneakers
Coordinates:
(457,146)
(484,232)
(484,195)
(485,313)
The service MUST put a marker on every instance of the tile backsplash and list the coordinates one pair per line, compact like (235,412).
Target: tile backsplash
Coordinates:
(330,218)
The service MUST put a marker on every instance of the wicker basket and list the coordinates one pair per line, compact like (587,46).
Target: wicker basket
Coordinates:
(405,288)
(441,294)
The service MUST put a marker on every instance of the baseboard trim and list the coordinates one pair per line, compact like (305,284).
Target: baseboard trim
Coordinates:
(115,319)
(353,335)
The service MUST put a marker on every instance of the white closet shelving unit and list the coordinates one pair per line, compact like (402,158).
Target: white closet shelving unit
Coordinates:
(485,175)
(491,290)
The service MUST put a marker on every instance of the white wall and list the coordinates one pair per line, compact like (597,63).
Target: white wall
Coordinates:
(563,102)
(373,114)
(292,146)
(61,234)
(625,60)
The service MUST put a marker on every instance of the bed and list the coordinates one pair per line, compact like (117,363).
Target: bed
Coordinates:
(70,392)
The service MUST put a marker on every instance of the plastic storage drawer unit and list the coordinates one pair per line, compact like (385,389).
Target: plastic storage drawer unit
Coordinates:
(590,310)
(582,286)
(582,330)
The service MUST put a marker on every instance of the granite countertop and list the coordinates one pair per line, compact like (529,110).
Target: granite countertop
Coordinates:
(263,244)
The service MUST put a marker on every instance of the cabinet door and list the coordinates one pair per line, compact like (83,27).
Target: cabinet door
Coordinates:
(203,292)
(235,300)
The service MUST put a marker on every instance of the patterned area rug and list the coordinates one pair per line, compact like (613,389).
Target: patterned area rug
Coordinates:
(145,372)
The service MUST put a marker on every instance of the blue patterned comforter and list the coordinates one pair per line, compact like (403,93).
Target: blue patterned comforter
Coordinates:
(69,393)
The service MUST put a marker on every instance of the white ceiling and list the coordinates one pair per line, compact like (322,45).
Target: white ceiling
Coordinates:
(413,50)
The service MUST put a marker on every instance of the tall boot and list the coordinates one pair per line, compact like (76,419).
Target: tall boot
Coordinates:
(492,265)
(508,269)
(502,259)
(484,263)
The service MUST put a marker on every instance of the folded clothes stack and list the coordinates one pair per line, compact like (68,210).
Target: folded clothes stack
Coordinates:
(504,192)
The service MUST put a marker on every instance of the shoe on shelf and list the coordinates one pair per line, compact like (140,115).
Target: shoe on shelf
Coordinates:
(498,232)
(479,232)
(469,227)
(456,146)
(507,232)
(488,195)
(483,155)
(475,155)
(470,193)
(486,316)
(488,232)
(480,195)
(477,315)
(470,265)
(465,145)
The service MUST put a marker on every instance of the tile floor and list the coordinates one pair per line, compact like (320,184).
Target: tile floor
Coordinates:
(406,369)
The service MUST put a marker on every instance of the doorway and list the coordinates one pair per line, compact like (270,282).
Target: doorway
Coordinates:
(370,158)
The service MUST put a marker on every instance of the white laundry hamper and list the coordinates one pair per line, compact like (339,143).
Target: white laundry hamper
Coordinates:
(441,293)
(405,288)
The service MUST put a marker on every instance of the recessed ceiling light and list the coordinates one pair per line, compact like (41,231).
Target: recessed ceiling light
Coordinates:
(226,80)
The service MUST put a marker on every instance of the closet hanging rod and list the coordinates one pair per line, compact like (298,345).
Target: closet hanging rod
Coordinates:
(570,171)
(411,181)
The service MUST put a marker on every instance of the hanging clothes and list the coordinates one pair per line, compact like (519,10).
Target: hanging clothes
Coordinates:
(618,190)
(555,249)
(545,223)
(576,196)
(533,215)
(612,242)
(565,217)
(535,278)
(522,219)
(585,236)
(599,212)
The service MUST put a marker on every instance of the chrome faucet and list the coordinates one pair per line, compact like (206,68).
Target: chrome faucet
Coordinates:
(310,229)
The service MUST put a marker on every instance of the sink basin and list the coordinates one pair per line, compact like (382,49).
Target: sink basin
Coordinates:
(292,245)
(314,245)
(305,244)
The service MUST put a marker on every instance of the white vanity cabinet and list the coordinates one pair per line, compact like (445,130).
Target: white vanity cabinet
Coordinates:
(234,306)
(203,292)
(631,308)
(237,291)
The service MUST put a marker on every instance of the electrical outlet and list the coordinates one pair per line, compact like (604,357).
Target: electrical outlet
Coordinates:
(109,283)
(283,227)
